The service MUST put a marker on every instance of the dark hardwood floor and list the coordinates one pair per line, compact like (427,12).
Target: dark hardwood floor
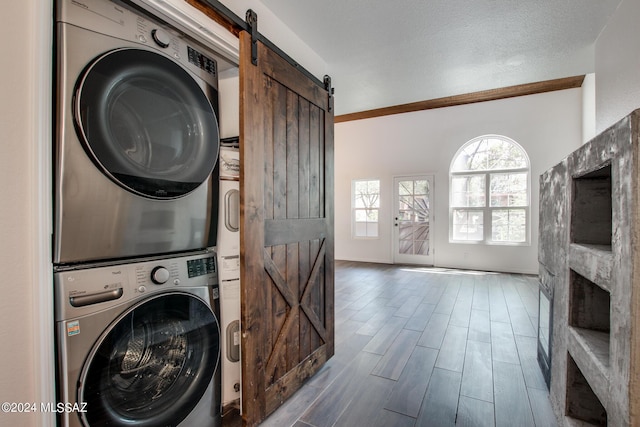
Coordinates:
(427,347)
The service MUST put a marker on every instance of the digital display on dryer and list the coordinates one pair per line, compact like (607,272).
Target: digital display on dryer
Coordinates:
(201,61)
(201,266)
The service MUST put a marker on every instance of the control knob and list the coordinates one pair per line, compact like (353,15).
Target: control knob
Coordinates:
(159,275)
(161,38)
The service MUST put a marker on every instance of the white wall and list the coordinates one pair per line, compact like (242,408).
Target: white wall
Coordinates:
(26,305)
(229,100)
(276,31)
(589,107)
(617,64)
(548,126)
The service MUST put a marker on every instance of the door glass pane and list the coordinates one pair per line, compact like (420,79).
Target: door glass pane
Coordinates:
(406,247)
(406,202)
(405,187)
(421,208)
(422,247)
(413,217)
(405,230)
(421,187)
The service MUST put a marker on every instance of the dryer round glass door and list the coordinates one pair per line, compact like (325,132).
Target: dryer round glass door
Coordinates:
(152,366)
(146,123)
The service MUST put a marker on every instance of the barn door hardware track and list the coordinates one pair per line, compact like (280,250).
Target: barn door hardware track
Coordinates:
(236,22)
(252,22)
(329,89)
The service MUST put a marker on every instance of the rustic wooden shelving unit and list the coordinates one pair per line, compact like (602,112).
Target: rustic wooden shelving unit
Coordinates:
(589,229)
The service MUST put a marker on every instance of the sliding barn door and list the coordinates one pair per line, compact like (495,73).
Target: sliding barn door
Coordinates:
(287,273)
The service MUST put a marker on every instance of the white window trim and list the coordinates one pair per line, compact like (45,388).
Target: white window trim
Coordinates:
(488,209)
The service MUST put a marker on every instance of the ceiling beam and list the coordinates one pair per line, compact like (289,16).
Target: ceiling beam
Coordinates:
(468,98)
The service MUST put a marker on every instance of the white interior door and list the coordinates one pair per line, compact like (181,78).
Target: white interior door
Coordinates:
(413,220)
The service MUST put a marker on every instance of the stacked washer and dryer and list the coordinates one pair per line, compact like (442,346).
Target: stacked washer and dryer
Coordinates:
(136,219)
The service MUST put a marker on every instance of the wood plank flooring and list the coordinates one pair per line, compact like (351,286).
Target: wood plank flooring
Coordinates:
(427,347)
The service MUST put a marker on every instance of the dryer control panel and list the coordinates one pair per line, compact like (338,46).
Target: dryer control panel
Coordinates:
(117,19)
(89,289)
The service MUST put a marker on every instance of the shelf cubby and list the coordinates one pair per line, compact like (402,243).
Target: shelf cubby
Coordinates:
(589,304)
(591,218)
(582,402)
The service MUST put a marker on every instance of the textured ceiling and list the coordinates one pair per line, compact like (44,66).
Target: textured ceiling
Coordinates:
(384,53)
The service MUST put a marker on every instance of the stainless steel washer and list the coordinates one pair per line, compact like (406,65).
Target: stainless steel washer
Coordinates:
(137,136)
(139,343)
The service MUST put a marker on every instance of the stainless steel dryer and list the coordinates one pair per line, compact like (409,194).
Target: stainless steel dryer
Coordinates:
(139,343)
(137,136)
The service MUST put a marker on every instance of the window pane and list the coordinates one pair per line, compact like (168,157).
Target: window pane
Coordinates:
(360,187)
(372,229)
(472,157)
(509,225)
(490,153)
(373,186)
(468,225)
(366,194)
(468,190)
(360,229)
(509,189)
(366,223)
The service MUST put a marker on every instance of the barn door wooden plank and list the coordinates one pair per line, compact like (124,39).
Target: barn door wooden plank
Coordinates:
(286,193)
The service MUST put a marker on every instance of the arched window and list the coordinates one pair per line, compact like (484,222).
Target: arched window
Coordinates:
(489,192)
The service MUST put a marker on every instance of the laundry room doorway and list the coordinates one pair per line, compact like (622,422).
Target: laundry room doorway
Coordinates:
(413,220)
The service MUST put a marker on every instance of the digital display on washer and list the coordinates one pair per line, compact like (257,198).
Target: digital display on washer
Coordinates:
(201,61)
(201,266)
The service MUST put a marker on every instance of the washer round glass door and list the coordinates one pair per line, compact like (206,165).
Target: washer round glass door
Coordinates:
(152,366)
(146,123)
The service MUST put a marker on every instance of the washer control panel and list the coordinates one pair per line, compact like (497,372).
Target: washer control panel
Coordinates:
(87,289)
